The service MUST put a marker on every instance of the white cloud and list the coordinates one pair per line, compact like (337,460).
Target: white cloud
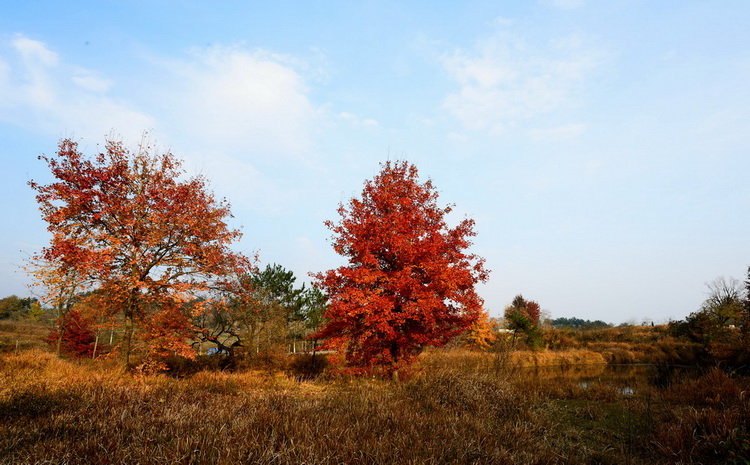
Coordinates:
(220,97)
(240,181)
(240,116)
(233,96)
(457,137)
(36,93)
(34,51)
(4,76)
(504,81)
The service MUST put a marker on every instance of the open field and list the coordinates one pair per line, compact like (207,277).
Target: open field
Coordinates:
(22,335)
(447,411)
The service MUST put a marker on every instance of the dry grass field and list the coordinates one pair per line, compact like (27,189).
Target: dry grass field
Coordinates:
(455,407)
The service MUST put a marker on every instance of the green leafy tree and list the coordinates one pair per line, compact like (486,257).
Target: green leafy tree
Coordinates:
(276,285)
(716,321)
(522,317)
(261,311)
(313,307)
(578,323)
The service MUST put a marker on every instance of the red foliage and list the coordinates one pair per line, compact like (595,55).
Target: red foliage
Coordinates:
(166,330)
(145,238)
(77,335)
(409,283)
(534,311)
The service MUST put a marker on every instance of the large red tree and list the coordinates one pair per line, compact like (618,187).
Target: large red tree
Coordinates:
(409,282)
(138,232)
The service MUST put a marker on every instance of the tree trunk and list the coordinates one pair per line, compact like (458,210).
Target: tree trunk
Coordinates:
(59,329)
(129,324)
(128,338)
(96,343)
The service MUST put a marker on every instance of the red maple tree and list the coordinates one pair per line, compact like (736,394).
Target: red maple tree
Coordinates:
(143,237)
(409,282)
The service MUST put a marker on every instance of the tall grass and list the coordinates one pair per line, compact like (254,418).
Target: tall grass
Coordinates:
(455,407)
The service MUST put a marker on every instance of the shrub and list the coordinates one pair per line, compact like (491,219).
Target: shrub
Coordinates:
(74,334)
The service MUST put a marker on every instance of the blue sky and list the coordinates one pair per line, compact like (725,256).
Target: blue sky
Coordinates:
(601,146)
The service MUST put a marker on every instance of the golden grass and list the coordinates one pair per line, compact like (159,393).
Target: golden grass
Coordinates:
(66,412)
(556,358)
(455,407)
(573,362)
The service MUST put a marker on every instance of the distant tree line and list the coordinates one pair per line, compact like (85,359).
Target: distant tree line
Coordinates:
(578,323)
(18,307)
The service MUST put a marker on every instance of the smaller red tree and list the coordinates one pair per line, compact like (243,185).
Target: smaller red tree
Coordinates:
(534,311)
(75,334)
(409,282)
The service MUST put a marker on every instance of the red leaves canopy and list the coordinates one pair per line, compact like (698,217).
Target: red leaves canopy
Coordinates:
(138,232)
(409,282)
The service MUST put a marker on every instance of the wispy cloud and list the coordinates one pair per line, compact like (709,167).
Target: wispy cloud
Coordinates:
(232,96)
(503,80)
(42,93)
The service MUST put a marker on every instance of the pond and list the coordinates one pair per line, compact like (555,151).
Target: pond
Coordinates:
(626,380)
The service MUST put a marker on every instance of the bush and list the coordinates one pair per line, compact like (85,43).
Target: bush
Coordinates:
(74,334)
